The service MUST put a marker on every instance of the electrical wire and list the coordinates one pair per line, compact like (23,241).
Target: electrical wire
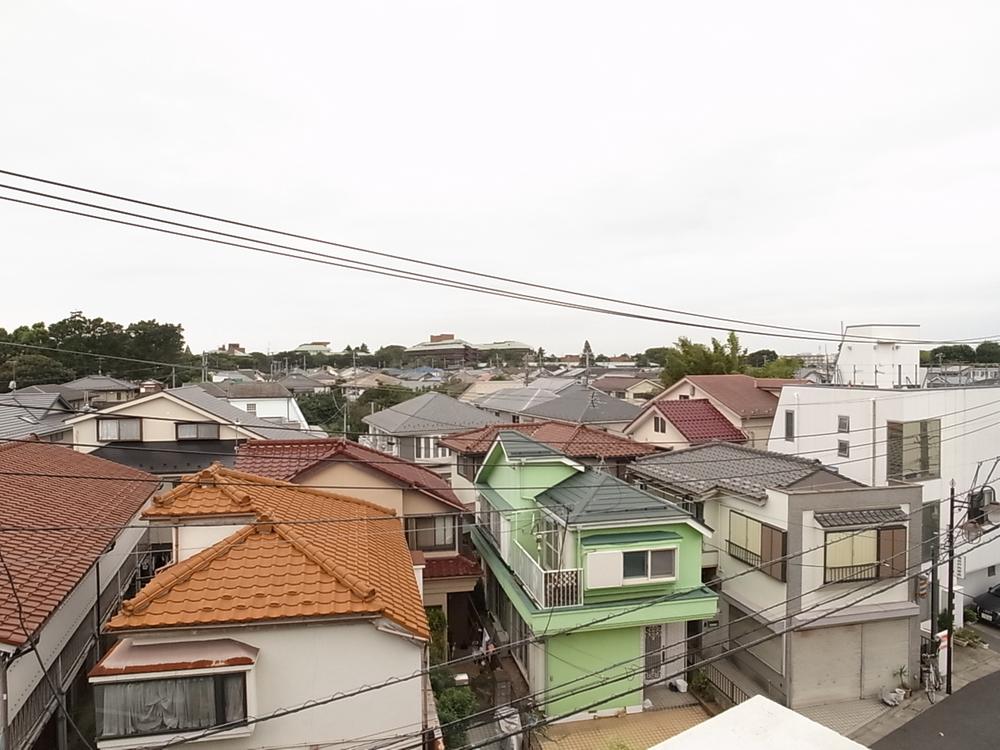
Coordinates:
(520,282)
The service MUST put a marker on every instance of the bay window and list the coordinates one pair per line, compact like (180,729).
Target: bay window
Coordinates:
(913,450)
(168,706)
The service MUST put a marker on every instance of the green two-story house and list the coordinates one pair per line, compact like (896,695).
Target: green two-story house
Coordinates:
(602,579)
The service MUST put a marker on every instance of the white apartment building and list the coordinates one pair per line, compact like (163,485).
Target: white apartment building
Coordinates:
(924,436)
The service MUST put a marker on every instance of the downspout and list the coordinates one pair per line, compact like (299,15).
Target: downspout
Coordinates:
(874,444)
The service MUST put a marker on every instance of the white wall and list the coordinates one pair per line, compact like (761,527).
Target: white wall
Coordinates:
(642,431)
(269,408)
(192,539)
(970,433)
(162,428)
(883,362)
(301,662)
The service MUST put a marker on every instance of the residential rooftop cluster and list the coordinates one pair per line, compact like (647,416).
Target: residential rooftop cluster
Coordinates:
(195,560)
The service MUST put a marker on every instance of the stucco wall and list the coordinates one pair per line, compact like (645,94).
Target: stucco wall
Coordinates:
(163,428)
(576,654)
(301,662)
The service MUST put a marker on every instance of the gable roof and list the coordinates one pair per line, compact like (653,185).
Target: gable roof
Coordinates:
(301,380)
(514,399)
(353,563)
(286,460)
(429,413)
(698,421)
(26,414)
(609,383)
(101,383)
(247,389)
(597,497)
(735,468)
(69,394)
(554,384)
(582,405)
(34,494)
(746,396)
(575,441)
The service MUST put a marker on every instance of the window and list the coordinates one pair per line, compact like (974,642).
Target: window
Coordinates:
(550,537)
(843,448)
(145,707)
(659,424)
(865,555)
(757,544)
(649,565)
(251,408)
(430,532)
(843,424)
(129,429)
(683,397)
(468,465)
(427,447)
(197,431)
(913,450)
(991,571)
(620,394)
(789,425)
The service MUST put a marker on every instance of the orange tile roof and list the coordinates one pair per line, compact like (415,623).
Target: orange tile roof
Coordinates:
(46,485)
(310,554)
(575,441)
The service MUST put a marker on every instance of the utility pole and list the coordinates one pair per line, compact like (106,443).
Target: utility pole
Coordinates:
(173,377)
(935,584)
(951,584)
(204,367)
(525,370)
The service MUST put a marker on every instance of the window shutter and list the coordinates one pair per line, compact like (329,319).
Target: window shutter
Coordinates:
(772,547)
(604,570)
(892,552)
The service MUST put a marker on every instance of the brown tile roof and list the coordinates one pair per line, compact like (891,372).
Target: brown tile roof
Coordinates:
(288,459)
(321,555)
(609,383)
(575,441)
(748,397)
(698,421)
(42,576)
(451,567)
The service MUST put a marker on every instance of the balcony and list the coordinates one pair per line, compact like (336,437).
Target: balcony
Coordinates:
(742,554)
(851,573)
(548,588)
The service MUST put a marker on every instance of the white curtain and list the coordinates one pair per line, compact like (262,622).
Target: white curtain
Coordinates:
(151,706)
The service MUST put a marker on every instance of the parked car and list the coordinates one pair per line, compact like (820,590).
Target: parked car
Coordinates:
(988,605)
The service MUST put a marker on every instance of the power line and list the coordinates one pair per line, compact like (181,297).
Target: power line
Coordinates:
(74,352)
(393,256)
(357,265)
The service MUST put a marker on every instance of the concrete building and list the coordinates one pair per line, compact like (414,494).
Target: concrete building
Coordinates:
(879,355)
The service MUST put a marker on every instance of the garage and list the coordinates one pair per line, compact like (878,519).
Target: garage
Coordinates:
(848,662)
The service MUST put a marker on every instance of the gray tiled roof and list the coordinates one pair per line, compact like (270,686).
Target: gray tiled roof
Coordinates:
(197,397)
(70,394)
(246,390)
(515,399)
(596,497)
(429,413)
(519,445)
(872,517)
(101,383)
(582,405)
(736,468)
(26,414)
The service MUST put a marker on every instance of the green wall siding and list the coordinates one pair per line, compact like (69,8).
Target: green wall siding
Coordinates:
(573,655)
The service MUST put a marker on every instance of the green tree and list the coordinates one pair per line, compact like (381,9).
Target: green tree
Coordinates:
(782,367)
(657,355)
(323,409)
(33,369)
(954,353)
(454,706)
(761,357)
(389,356)
(988,351)
(689,358)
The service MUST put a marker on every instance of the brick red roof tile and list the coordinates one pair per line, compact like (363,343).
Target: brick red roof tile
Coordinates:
(323,554)
(575,441)
(749,397)
(698,421)
(288,459)
(91,492)
(451,567)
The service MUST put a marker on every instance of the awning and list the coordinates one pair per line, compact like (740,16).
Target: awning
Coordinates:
(870,517)
(128,657)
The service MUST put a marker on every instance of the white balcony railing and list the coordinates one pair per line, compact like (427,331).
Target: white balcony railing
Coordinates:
(548,588)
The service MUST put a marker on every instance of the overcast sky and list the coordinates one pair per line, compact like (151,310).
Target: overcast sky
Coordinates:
(793,163)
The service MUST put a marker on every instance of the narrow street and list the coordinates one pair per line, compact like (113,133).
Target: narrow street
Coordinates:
(965,721)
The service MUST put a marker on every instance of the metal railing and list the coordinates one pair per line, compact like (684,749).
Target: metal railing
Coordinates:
(729,689)
(850,573)
(742,554)
(549,588)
